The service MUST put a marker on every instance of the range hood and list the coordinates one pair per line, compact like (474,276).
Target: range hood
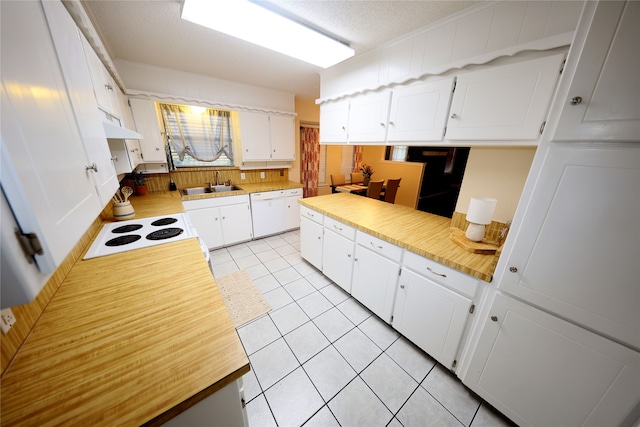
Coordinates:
(113,131)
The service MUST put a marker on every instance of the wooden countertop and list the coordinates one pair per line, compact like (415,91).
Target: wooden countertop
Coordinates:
(248,189)
(129,338)
(420,232)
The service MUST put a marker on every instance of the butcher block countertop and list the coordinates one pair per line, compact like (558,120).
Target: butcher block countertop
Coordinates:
(128,339)
(419,232)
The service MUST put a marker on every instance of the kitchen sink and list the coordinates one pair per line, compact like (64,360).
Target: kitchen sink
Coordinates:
(207,190)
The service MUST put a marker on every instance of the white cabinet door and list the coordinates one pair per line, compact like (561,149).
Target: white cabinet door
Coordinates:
(419,111)
(334,122)
(282,131)
(236,223)
(68,45)
(292,215)
(125,154)
(431,316)
(44,174)
(577,252)
(145,117)
(374,282)
(508,102)
(311,234)
(337,262)
(255,131)
(105,90)
(368,116)
(208,225)
(606,80)
(539,370)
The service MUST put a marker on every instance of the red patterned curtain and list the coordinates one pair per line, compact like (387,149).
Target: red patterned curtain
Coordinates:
(357,158)
(310,163)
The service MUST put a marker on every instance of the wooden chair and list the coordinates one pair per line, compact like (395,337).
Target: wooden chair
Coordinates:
(374,189)
(391,190)
(357,177)
(337,179)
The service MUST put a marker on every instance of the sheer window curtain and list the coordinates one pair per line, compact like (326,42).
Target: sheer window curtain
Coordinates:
(203,136)
(310,160)
(357,158)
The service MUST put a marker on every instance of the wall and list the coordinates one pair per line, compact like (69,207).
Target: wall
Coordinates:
(499,173)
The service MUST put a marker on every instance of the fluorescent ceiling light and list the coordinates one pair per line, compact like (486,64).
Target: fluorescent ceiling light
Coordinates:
(255,24)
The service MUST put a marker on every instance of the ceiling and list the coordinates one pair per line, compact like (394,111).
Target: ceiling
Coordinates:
(151,32)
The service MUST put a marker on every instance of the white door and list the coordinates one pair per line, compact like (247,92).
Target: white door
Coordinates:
(43,157)
(431,316)
(68,44)
(282,137)
(334,122)
(603,102)
(368,116)
(147,124)
(236,223)
(292,219)
(311,234)
(374,282)
(419,111)
(255,131)
(208,224)
(578,249)
(508,102)
(337,262)
(539,370)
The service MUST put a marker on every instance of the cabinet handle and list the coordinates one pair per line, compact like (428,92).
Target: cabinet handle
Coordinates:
(576,100)
(401,286)
(379,247)
(157,149)
(513,269)
(381,124)
(494,318)
(391,124)
(454,116)
(348,255)
(336,227)
(319,237)
(114,158)
(93,167)
(437,274)
(344,128)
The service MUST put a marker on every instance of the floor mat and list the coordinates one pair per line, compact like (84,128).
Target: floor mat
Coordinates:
(243,300)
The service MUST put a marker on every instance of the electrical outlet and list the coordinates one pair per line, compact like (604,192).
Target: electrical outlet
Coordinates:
(243,175)
(262,175)
(7,320)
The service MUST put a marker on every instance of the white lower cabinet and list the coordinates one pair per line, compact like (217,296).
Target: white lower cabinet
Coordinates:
(375,274)
(540,370)
(292,214)
(221,221)
(430,315)
(311,236)
(338,252)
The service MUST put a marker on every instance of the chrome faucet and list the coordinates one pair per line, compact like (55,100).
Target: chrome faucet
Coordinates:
(217,177)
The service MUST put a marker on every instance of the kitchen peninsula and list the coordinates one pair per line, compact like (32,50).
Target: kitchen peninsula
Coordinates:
(126,340)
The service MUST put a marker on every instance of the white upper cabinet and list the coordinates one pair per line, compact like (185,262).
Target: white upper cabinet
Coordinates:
(104,87)
(577,253)
(368,116)
(147,122)
(47,165)
(603,102)
(418,112)
(266,137)
(508,102)
(334,122)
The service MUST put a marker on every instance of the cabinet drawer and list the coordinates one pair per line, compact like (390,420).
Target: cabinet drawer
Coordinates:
(340,228)
(293,192)
(439,273)
(379,246)
(215,202)
(314,216)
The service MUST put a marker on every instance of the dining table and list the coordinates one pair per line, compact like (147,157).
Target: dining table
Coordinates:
(357,188)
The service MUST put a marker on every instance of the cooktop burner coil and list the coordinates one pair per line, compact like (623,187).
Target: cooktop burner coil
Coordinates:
(164,221)
(123,240)
(127,228)
(165,233)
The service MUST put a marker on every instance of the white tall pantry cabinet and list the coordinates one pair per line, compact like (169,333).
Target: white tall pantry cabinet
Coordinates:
(558,342)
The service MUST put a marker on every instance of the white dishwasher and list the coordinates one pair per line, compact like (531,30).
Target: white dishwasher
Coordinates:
(268,213)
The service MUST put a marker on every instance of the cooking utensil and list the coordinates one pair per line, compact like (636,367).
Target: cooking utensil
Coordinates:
(126,192)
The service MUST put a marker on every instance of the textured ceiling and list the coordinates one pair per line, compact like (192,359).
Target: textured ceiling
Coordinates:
(151,32)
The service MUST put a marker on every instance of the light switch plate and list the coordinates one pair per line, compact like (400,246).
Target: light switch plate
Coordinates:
(262,175)
(7,320)
(243,175)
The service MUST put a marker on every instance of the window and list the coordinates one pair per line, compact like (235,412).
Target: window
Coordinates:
(346,160)
(397,153)
(199,136)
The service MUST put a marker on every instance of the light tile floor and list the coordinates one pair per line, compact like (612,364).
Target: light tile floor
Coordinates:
(320,358)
